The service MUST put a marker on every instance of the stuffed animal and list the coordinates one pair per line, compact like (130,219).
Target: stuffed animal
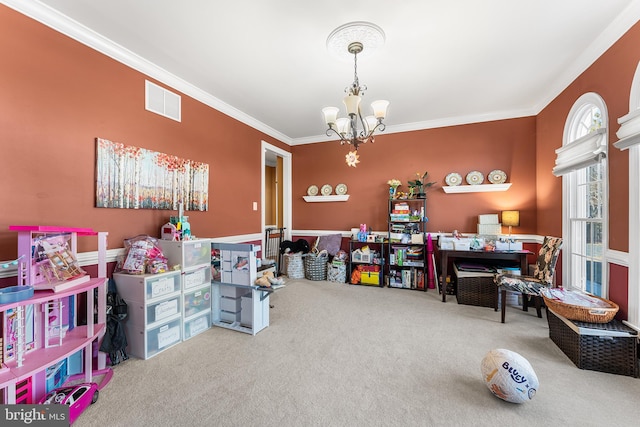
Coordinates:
(300,245)
(268,279)
(263,282)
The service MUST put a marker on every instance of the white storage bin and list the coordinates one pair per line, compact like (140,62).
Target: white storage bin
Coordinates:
(187,253)
(162,284)
(197,325)
(162,310)
(197,301)
(196,278)
(155,339)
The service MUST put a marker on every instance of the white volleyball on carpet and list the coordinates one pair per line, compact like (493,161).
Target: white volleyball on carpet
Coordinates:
(509,376)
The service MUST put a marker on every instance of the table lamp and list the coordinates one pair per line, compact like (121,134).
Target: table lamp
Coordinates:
(511,219)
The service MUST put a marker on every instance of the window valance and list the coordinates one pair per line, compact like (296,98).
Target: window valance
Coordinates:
(582,152)
(629,132)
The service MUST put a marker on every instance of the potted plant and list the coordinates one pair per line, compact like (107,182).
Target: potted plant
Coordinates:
(419,184)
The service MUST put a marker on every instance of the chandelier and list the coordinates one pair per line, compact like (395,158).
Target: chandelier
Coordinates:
(355,129)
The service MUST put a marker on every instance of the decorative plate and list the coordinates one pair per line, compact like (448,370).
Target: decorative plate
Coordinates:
(475,178)
(341,189)
(312,190)
(497,177)
(326,190)
(453,179)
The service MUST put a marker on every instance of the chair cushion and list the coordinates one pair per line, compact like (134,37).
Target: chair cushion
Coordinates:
(523,284)
(547,257)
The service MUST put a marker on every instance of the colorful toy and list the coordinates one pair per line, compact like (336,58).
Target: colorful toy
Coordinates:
(78,397)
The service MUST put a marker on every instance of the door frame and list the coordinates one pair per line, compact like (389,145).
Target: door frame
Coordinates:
(286,189)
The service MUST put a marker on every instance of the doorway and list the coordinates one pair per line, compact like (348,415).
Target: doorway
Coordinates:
(276,191)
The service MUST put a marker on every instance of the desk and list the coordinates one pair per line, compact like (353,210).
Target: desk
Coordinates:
(448,254)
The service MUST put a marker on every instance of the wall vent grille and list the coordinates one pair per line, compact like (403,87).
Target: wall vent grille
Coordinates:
(161,101)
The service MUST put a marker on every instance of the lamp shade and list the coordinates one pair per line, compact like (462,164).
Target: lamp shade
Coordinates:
(330,115)
(343,125)
(380,108)
(352,102)
(370,123)
(511,218)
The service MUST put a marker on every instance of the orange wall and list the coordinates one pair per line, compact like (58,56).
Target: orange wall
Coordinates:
(508,145)
(59,95)
(610,77)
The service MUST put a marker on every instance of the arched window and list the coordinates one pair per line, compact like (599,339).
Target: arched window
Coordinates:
(582,162)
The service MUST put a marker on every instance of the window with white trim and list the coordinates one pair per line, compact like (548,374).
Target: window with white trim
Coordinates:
(582,162)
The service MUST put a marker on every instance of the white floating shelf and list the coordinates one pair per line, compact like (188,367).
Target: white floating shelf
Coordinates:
(329,198)
(482,188)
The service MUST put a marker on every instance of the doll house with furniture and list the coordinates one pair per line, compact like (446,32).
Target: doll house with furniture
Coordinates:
(50,330)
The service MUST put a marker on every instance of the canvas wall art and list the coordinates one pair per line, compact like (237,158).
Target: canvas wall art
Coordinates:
(136,178)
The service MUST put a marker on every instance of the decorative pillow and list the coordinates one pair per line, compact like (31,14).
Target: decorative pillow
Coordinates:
(331,243)
(547,257)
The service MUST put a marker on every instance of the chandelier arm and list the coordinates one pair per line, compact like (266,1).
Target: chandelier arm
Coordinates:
(342,139)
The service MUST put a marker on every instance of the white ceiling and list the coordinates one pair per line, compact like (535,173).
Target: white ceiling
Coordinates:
(265,61)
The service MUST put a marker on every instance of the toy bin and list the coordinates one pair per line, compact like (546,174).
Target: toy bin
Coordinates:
(197,301)
(370,278)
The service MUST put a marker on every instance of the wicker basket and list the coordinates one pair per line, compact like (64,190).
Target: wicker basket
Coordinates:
(583,314)
(315,266)
(610,347)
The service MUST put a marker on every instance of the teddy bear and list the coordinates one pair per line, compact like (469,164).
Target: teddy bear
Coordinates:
(268,279)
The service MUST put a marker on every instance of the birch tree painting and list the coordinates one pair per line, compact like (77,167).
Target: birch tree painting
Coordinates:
(135,178)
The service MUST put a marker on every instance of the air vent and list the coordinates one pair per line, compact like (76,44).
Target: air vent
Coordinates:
(161,101)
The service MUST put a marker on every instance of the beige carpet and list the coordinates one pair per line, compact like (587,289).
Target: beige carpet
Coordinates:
(344,355)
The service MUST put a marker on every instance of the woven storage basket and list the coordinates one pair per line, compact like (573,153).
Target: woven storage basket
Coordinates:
(606,347)
(294,266)
(315,266)
(476,289)
(582,314)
